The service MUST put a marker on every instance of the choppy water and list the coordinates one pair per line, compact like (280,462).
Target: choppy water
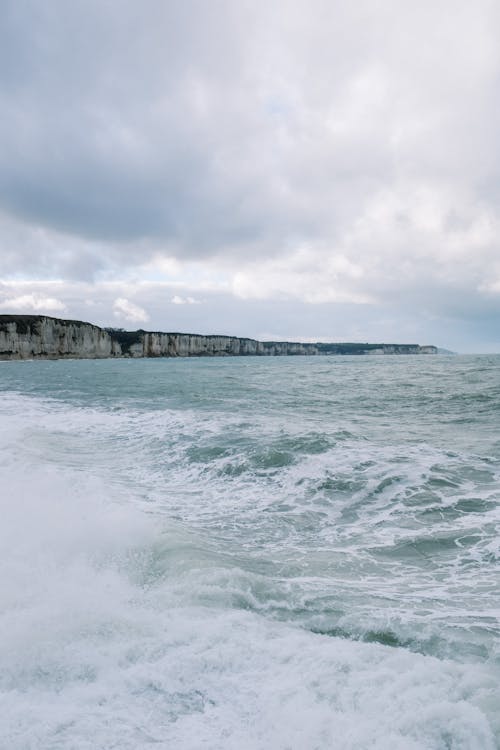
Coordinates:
(250,554)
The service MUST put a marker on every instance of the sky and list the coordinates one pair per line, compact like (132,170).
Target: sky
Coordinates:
(301,170)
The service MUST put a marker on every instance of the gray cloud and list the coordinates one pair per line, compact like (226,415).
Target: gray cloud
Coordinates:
(118,120)
(314,153)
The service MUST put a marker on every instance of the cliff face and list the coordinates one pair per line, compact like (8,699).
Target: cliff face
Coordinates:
(193,345)
(32,336)
(43,337)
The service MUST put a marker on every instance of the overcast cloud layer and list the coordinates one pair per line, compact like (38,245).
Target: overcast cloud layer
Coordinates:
(314,170)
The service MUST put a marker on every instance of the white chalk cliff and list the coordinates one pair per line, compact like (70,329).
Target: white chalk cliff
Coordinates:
(44,337)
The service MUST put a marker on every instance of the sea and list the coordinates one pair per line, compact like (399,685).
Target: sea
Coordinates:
(289,553)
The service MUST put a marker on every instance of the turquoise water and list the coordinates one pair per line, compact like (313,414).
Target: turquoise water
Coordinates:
(251,553)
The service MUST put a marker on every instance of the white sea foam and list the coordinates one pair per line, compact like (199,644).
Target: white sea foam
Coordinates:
(99,649)
(159,580)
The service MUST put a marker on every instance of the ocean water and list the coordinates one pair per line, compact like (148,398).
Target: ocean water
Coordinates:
(250,554)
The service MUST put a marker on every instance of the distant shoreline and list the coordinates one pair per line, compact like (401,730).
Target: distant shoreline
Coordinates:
(46,337)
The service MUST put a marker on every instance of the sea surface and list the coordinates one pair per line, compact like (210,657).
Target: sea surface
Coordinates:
(293,553)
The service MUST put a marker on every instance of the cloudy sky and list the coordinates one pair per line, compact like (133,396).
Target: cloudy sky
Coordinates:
(293,169)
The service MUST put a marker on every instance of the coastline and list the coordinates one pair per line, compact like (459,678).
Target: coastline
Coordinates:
(46,337)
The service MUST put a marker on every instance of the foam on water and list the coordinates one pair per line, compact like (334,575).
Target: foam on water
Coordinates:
(103,644)
(219,579)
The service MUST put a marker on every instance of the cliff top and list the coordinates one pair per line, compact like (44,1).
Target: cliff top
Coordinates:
(30,319)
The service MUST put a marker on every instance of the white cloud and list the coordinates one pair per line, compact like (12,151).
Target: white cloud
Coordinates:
(32,303)
(312,275)
(126,310)
(492,287)
(178,300)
